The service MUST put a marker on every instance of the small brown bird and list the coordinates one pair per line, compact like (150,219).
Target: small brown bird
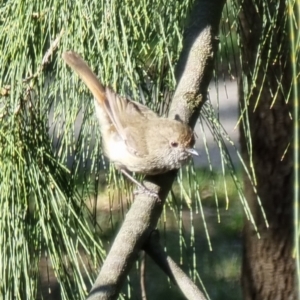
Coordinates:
(134,137)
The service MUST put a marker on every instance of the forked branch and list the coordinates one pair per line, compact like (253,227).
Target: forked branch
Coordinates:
(194,72)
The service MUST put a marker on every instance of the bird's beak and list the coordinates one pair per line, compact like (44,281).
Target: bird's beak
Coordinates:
(192,151)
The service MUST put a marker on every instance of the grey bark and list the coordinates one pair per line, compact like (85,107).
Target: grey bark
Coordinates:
(194,72)
(155,250)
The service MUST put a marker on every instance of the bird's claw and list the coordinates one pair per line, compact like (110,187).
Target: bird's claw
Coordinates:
(143,190)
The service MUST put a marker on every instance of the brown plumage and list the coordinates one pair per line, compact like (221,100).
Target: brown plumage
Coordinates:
(134,137)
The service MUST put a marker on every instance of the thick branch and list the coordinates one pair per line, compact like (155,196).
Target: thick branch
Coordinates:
(194,73)
(195,66)
(139,222)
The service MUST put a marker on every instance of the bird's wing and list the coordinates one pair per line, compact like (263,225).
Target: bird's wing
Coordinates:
(119,106)
(128,116)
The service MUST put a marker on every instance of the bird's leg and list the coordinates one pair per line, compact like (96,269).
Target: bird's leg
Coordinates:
(144,189)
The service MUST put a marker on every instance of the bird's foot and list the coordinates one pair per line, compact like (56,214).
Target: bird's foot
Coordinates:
(143,190)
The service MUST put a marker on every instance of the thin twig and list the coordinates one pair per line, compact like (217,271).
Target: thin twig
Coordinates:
(5,90)
(142,275)
(154,249)
(46,58)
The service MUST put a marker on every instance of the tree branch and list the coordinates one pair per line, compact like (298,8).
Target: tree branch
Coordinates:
(139,222)
(194,71)
(154,249)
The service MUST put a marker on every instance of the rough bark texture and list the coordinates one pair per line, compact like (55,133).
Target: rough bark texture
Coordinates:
(194,64)
(268,267)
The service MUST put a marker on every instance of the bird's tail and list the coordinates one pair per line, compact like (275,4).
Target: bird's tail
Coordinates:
(78,65)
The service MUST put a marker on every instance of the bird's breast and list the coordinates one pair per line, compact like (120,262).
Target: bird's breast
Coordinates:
(117,151)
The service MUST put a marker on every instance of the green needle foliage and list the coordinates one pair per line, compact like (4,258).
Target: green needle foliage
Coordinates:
(293,17)
(45,167)
(51,162)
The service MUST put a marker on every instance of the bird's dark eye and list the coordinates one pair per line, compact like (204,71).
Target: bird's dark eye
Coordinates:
(174,144)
